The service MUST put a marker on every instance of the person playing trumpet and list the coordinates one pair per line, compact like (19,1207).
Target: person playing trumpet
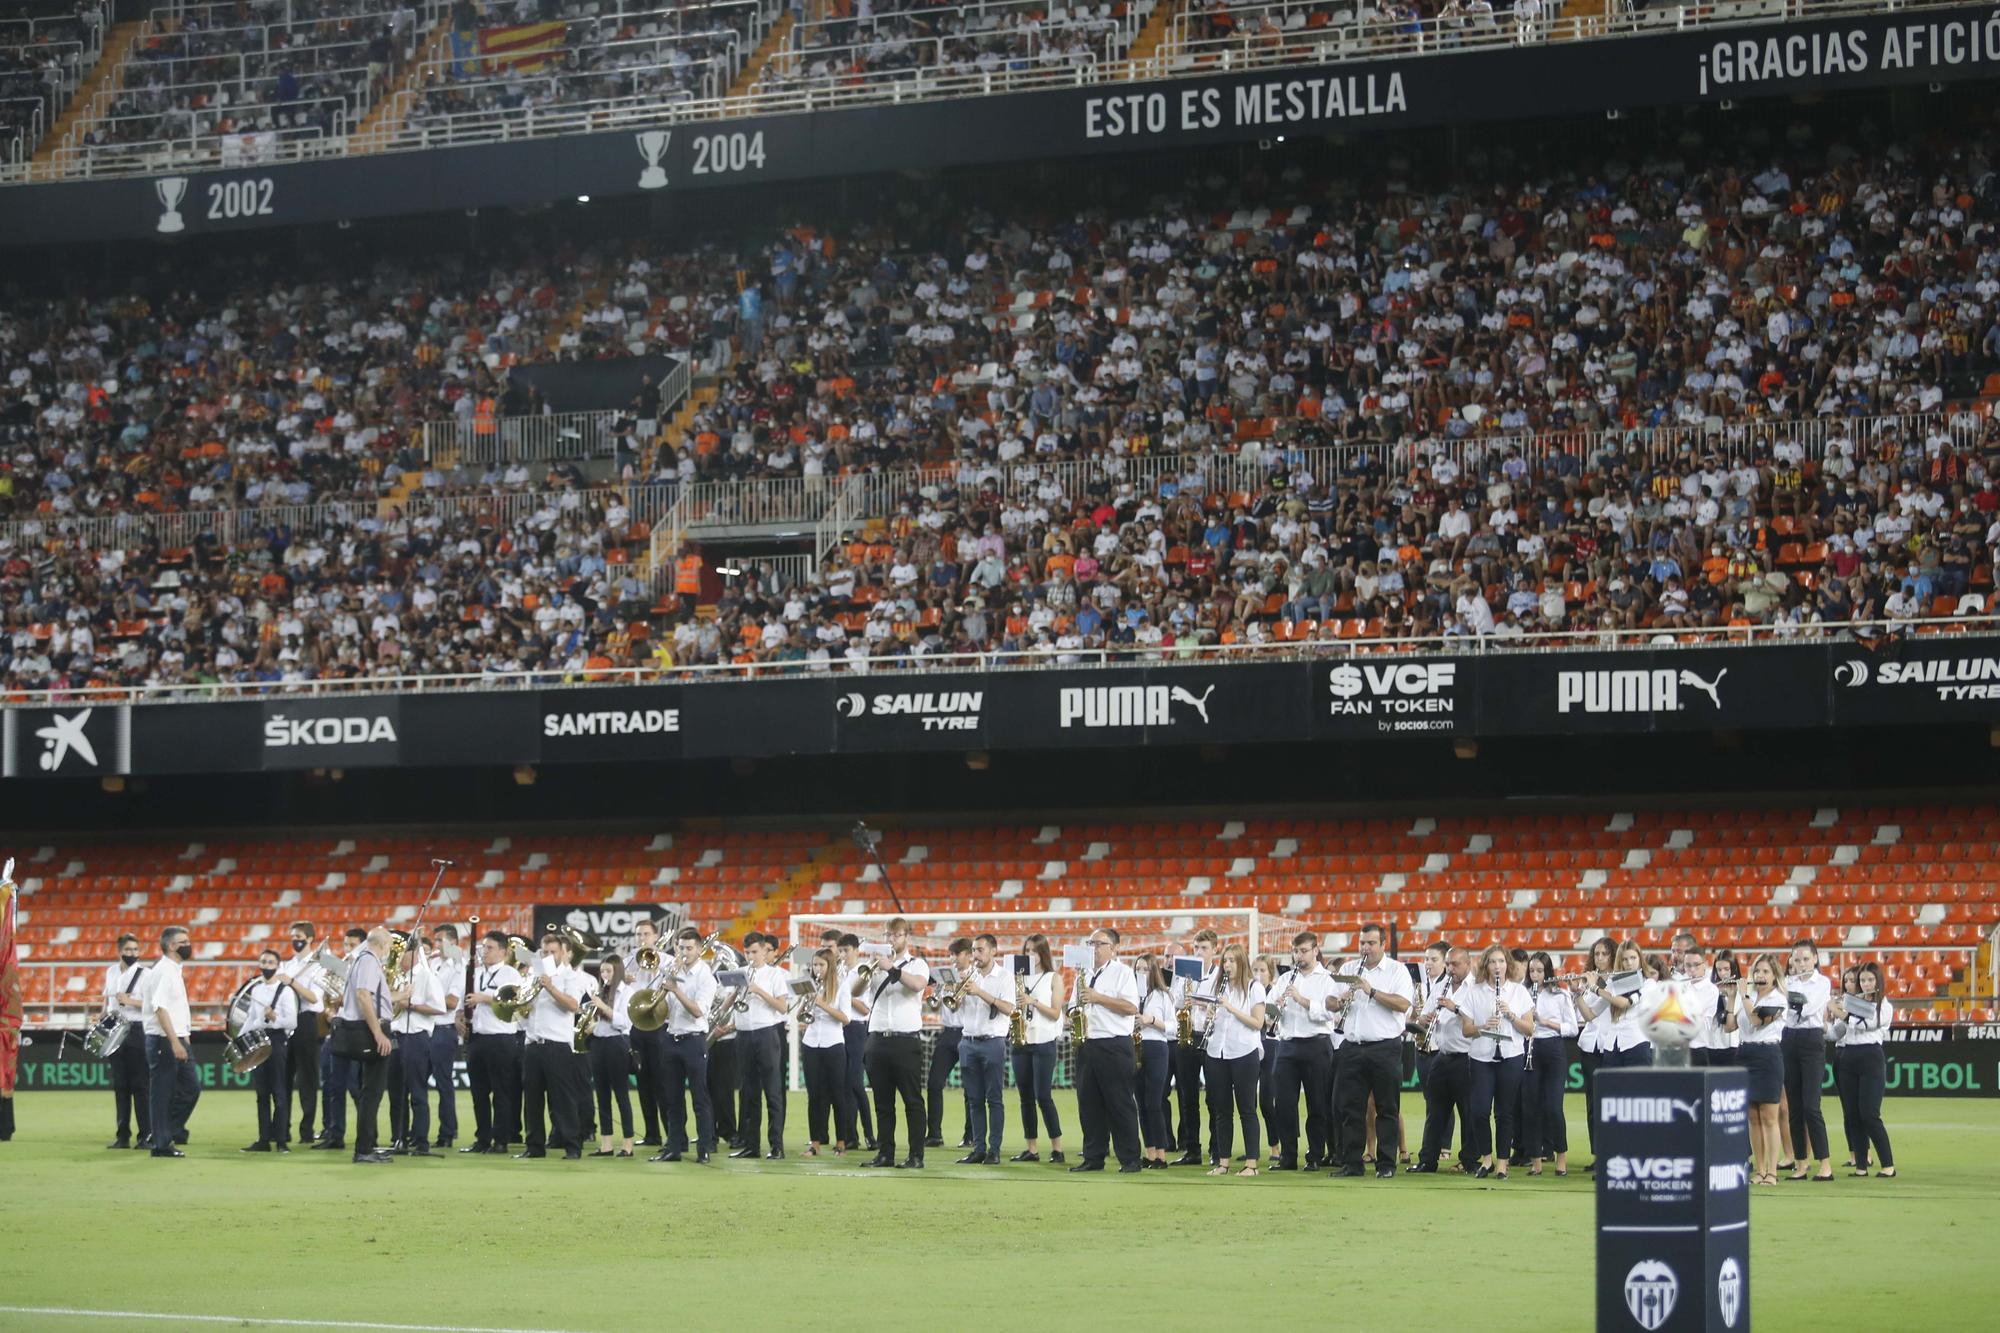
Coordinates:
(760,1047)
(823,1051)
(683,1070)
(985,1007)
(493,1051)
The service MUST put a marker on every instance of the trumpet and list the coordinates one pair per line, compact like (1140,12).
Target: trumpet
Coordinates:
(647,960)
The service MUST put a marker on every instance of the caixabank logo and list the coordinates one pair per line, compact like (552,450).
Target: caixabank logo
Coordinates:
(93,740)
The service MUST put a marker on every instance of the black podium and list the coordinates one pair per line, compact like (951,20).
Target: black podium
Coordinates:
(1673,1200)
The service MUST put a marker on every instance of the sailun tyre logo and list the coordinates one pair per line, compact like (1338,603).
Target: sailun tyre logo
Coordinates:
(1952,678)
(935,710)
(1651,1292)
(1851,673)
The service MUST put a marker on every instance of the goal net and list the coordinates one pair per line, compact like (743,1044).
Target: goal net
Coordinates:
(1140,934)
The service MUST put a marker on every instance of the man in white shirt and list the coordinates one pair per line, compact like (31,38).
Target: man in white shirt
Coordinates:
(274,1011)
(944,1058)
(493,1051)
(985,1008)
(174,1085)
(1187,1059)
(857,1037)
(361,1034)
(1305,1055)
(683,1074)
(895,1057)
(1447,1082)
(1107,1067)
(1372,1063)
(647,1054)
(122,983)
(548,1075)
(304,979)
(760,1047)
(449,964)
(418,996)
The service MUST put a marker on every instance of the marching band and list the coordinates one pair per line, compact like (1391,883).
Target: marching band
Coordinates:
(554,1050)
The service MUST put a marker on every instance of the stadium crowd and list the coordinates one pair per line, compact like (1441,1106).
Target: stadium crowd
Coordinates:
(1643,399)
(44,45)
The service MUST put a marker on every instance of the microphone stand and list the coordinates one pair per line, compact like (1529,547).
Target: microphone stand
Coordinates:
(868,840)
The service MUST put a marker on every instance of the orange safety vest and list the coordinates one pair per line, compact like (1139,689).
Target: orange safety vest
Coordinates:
(687,576)
(482,417)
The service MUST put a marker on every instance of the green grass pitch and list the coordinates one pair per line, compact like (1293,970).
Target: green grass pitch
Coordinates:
(597,1246)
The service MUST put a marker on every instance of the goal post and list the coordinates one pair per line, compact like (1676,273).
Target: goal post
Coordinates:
(1140,933)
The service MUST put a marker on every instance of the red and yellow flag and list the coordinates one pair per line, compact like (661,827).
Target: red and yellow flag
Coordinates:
(526,46)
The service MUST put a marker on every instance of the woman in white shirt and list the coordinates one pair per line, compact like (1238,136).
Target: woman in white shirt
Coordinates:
(1596,1016)
(1035,1058)
(1807,991)
(1836,1036)
(1860,1054)
(1546,1133)
(823,1053)
(1498,1016)
(1627,1044)
(611,1053)
(1156,1060)
(1233,1059)
(1721,1040)
(1265,970)
(1758,1007)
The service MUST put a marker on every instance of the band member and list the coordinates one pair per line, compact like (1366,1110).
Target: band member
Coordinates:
(493,1054)
(1265,971)
(122,982)
(985,1008)
(449,963)
(1305,1055)
(1595,1038)
(362,1028)
(760,1048)
(1497,1016)
(822,1026)
(894,1060)
(274,1011)
(1373,1065)
(1759,1007)
(1547,1071)
(647,1046)
(944,1057)
(725,1089)
(1040,997)
(1627,1044)
(1719,1042)
(1187,1059)
(339,1077)
(1448,1089)
(305,981)
(1233,1061)
(684,1057)
(856,1006)
(1865,1067)
(548,1074)
(1156,1062)
(172,1082)
(581,1073)
(1108,995)
(611,1053)
(418,995)
(1806,994)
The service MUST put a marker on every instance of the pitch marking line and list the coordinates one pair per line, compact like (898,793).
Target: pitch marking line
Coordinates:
(255,1321)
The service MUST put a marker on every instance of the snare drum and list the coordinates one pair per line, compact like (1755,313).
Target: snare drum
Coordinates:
(247,1050)
(106,1035)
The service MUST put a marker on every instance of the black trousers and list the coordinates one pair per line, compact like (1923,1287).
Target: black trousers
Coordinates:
(944,1059)
(1155,1065)
(273,1085)
(1336,1089)
(303,1058)
(494,1065)
(1860,1072)
(685,1062)
(1496,1091)
(444,1073)
(1035,1081)
(648,1056)
(1187,1091)
(1545,1132)
(1590,1062)
(548,1078)
(371,1081)
(1805,1071)
(1232,1093)
(723,1093)
(173,1087)
(611,1076)
(895,1068)
(580,1087)
(857,1086)
(1447,1098)
(128,1082)
(1305,1065)
(828,1105)
(1370,1068)
(1106,1076)
(1267,1090)
(760,1067)
(409,1090)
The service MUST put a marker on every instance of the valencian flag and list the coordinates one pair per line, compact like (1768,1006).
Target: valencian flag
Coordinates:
(526,47)
(10,983)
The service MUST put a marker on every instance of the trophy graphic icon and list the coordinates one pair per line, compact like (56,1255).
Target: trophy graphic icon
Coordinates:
(652,147)
(170,190)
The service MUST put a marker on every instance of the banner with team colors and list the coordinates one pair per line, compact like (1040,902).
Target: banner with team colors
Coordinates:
(1702,63)
(1929,681)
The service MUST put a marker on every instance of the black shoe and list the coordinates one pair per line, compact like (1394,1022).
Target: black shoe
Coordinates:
(1424,1169)
(527,1154)
(1482,1173)
(934,1142)
(1385,1173)
(973,1159)
(650,1141)
(1055,1157)
(1129,1168)
(573,1155)
(442,1142)
(1311,1164)
(1086,1166)
(1025,1156)
(602,1152)
(664,1156)
(143,1143)
(1347,1173)
(1282,1165)
(258,1146)
(879,1159)
(476,1147)
(775,1155)
(329,1145)
(745,1152)
(421,1151)
(1186,1159)
(873,1145)
(701,1158)
(180,1140)
(372,1159)
(965,1143)
(168,1152)
(123,1141)
(914,1162)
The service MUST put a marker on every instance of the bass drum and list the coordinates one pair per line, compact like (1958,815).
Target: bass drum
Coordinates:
(247,1050)
(106,1035)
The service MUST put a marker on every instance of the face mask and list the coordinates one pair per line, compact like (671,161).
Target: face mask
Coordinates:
(299,946)
(184,952)
(268,972)
(128,958)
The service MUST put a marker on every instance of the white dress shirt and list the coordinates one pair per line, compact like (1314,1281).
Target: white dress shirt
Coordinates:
(976,1016)
(1040,1027)
(1116,980)
(451,976)
(425,989)
(699,987)
(1447,1032)
(1234,1037)
(1870,1032)
(122,980)
(1596,1033)
(548,1020)
(1314,988)
(772,980)
(1555,1014)
(1159,1004)
(1367,1018)
(847,996)
(620,1022)
(310,975)
(1478,1001)
(1770,1034)
(822,1029)
(1626,1034)
(894,1009)
(166,989)
(1812,1014)
(1698,996)
(364,976)
(1200,1016)
(1725,999)
(489,981)
(273,995)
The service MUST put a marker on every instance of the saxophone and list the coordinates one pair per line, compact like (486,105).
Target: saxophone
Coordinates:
(1017,1022)
(1079,1021)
